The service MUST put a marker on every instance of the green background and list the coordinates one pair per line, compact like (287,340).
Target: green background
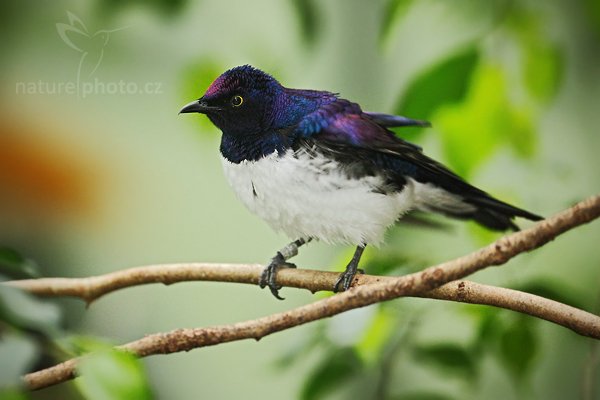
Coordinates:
(103,181)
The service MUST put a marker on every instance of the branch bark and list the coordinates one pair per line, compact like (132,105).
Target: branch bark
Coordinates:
(434,282)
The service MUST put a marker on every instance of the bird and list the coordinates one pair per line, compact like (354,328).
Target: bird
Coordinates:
(315,166)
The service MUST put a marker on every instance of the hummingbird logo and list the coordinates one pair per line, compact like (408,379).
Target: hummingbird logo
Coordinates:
(91,46)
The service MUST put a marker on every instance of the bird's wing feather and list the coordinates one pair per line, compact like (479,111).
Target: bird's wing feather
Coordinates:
(343,128)
(344,122)
(390,121)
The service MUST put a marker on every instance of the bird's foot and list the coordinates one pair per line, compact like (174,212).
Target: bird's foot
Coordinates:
(344,281)
(269,274)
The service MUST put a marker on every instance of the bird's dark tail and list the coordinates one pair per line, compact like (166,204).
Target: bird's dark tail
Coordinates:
(463,200)
(492,213)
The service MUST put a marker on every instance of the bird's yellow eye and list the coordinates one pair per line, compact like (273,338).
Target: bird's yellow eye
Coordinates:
(237,100)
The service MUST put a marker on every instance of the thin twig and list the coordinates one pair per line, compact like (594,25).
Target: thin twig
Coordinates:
(378,289)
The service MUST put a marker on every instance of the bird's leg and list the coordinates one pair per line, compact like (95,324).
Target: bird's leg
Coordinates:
(346,277)
(269,274)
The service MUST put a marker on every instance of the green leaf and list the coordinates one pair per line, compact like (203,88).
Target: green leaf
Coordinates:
(473,129)
(112,374)
(308,18)
(393,11)
(17,356)
(79,345)
(542,60)
(518,347)
(521,132)
(338,367)
(24,311)
(490,325)
(377,335)
(14,265)
(443,84)
(447,357)
(543,69)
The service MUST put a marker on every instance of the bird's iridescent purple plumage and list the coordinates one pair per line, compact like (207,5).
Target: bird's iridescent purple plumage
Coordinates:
(276,120)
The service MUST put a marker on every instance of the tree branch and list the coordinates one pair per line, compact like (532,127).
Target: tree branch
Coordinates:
(91,288)
(434,282)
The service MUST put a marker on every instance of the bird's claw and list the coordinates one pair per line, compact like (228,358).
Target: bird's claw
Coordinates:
(345,279)
(269,274)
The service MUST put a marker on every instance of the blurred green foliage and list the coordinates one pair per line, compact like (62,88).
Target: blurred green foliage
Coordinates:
(167,8)
(338,367)
(112,374)
(15,266)
(449,358)
(309,20)
(593,14)
(473,129)
(32,336)
(447,82)
(391,13)
(27,324)
(518,347)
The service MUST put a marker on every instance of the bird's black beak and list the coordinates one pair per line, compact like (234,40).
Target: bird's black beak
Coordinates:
(198,106)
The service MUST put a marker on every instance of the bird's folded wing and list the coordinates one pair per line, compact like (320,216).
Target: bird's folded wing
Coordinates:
(343,128)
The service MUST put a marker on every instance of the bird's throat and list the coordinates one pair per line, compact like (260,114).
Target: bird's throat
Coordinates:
(238,148)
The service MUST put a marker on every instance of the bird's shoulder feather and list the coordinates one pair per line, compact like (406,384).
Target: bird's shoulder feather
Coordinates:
(345,122)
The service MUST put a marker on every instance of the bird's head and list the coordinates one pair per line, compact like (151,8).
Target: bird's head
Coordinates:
(240,101)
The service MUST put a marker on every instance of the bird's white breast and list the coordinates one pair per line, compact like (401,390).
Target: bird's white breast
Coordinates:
(307,195)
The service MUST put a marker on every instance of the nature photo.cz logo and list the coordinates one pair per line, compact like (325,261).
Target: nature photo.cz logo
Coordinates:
(91,47)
